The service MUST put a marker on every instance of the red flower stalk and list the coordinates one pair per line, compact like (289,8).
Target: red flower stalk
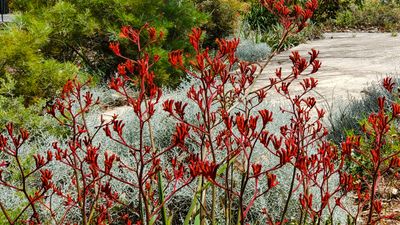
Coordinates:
(175,58)
(194,38)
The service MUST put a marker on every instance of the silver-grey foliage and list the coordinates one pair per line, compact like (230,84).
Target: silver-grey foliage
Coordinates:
(164,127)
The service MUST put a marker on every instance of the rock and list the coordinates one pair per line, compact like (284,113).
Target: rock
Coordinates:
(394,191)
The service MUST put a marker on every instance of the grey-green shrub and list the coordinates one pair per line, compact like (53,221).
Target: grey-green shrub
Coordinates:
(347,117)
(251,51)
(163,128)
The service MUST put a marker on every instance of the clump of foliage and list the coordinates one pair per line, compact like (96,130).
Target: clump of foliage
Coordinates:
(353,120)
(32,74)
(348,117)
(383,15)
(259,18)
(79,30)
(274,34)
(224,18)
(329,9)
(251,50)
(270,28)
(377,152)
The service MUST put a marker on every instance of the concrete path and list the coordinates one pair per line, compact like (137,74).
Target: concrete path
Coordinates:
(350,61)
(6,18)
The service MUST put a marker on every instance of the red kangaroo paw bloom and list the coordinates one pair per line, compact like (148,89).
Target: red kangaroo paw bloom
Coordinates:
(175,58)
(182,131)
(272,182)
(115,48)
(388,84)
(396,110)
(45,177)
(194,38)
(266,116)
(256,169)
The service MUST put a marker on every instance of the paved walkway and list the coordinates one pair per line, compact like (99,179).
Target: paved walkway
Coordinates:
(6,18)
(350,61)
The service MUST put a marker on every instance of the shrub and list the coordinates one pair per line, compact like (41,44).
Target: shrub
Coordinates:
(33,75)
(376,152)
(224,18)
(30,117)
(329,9)
(347,117)
(262,21)
(251,51)
(372,13)
(274,35)
(352,119)
(80,30)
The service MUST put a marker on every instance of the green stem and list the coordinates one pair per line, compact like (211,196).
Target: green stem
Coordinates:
(289,195)
(192,206)
(162,199)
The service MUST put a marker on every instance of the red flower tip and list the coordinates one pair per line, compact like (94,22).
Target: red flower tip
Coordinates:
(114,46)
(68,88)
(49,155)
(39,161)
(321,113)
(314,54)
(118,126)
(152,33)
(241,124)
(206,169)
(182,131)
(167,106)
(227,46)
(194,38)
(156,58)
(388,84)
(298,9)
(24,134)
(175,58)
(312,5)
(396,110)
(256,169)
(266,116)
(377,206)
(381,102)
(108,162)
(316,64)
(121,70)
(272,182)
(45,177)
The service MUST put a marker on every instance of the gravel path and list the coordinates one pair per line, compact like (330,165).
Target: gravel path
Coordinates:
(350,61)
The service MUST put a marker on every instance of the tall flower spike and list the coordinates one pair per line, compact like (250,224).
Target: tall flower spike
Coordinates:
(194,38)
